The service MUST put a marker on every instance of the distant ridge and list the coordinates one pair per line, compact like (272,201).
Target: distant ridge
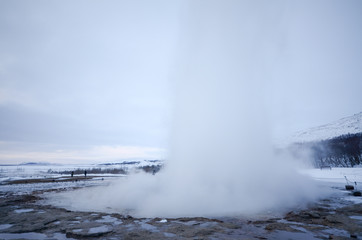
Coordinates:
(34,163)
(347,125)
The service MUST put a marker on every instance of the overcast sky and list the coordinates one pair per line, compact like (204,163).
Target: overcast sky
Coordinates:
(93,80)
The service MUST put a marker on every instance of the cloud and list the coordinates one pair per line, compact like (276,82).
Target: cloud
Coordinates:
(67,77)
(9,96)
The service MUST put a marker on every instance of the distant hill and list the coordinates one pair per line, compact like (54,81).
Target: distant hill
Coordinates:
(337,144)
(34,164)
(344,126)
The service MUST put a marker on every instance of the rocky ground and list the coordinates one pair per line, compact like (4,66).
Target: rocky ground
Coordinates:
(54,179)
(25,216)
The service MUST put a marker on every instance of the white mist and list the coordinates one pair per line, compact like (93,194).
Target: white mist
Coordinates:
(221,159)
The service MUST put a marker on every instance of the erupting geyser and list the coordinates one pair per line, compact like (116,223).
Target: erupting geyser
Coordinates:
(221,160)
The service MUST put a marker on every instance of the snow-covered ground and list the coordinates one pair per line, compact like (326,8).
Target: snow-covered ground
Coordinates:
(331,178)
(335,179)
(43,170)
(36,171)
(31,187)
(336,175)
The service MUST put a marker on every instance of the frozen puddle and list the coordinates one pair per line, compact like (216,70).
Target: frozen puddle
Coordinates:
(23,210)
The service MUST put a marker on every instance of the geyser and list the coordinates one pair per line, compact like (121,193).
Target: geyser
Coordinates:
(221,160)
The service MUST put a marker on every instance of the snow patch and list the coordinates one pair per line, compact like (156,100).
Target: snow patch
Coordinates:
(23,210)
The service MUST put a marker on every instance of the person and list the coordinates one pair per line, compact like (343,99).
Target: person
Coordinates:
(85,173)
(72,173)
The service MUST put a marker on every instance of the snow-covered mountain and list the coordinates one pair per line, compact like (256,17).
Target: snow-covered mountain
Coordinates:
(347,125)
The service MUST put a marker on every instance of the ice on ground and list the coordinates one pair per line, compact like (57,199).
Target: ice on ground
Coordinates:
(30,235)
(208,224)
(74,222)
(163,221)
(130,227)
(354,199)
(106,219)
(60,236)
(33,235)
(170,235)
(5,226)
(23,210)
(356,217)
(148,227)
(336,232)
(109,219)
(101,229)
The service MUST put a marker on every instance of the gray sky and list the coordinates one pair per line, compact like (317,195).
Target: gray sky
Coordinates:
(320,68)
(92,80)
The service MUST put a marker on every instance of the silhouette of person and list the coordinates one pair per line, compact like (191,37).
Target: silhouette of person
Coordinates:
(85,173)
(72,173)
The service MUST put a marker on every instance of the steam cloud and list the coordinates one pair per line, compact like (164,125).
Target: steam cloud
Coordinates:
(221,159)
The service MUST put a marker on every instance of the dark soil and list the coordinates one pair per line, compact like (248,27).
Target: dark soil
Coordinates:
(55,179)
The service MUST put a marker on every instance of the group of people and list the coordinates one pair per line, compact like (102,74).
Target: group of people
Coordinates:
(85,173)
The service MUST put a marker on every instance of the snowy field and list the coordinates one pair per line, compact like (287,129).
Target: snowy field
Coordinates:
(39,170)
(333,179)
(334,176)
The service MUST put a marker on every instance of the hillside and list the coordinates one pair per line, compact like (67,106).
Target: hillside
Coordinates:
(337,144)
(344,126)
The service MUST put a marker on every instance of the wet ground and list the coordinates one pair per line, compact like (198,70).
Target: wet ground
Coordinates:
(25,216)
